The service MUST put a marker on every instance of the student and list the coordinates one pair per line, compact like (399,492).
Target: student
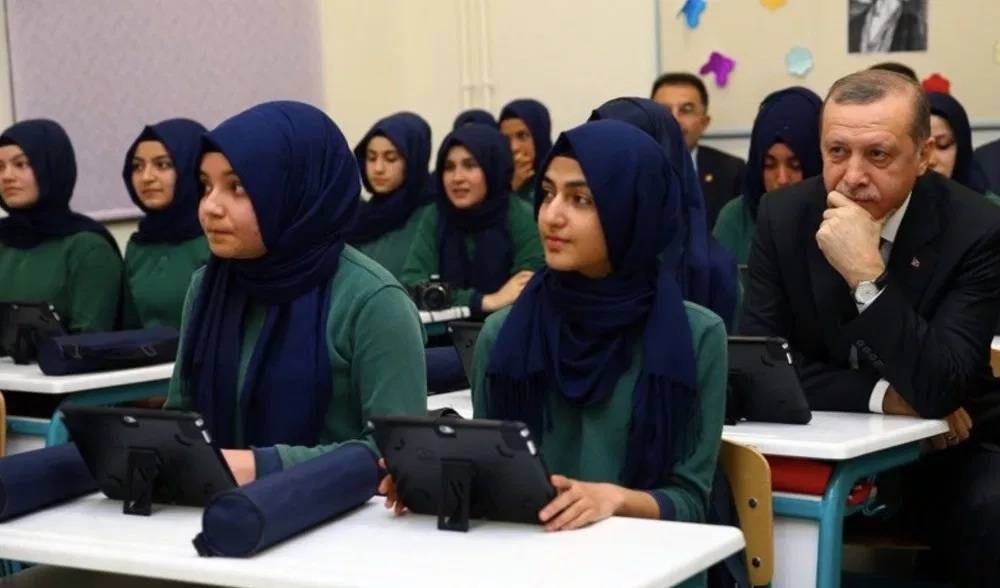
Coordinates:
(951,155)
(395,154)
(526,125)
(721,174)
(161,176)
(474,115)
(477,238)
(47,252)
(784,150)
(291,339)
(706,272)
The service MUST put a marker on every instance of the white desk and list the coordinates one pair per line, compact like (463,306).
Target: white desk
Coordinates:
(96,388)
(434,320)
(371,547)
(995,344)
(460,400)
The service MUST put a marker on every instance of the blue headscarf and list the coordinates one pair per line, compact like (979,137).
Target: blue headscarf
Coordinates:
(576,335)
(706,272)
(474,115)
(303,183)
(178,222)
(536,118)
(53,162)
(384,213)
(494,249)
(967,170)
(790,116)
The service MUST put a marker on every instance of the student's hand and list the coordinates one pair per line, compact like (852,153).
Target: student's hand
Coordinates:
(960,424)
(524,170)
(242,464)
(849,239)
(580,503)
(507,293)
(894,403)
(387,488)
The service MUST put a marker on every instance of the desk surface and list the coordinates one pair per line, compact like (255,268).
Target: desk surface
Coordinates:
(830,435)
(28,378)
(454,313)
(370,547)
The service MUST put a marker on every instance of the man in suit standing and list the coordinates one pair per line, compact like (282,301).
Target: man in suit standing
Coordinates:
(721,174)
(885,279)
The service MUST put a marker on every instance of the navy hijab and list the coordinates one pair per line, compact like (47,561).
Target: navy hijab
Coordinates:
(178,222)
(53,162)
(474,116)
(790,116)
(494,254)
(576,335)
(303,183)
(967,170)
(411,136)
(536,118)
(705,271)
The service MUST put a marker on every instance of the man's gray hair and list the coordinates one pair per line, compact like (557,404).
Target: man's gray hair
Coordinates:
(871,85)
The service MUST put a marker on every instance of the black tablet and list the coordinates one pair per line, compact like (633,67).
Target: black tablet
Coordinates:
(459,469)
(763,383)
(143,456)
(23,325)
(463,337)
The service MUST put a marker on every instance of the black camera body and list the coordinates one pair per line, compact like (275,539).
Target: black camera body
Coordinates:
(23,325)
(434,294)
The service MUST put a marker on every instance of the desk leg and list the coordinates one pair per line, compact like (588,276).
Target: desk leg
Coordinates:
(57,433)
(831,510)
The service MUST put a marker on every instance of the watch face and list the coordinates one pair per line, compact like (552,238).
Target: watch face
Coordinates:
(865,292)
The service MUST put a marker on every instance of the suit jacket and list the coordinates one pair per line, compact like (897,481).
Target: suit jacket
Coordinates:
(721,177)
(929,331)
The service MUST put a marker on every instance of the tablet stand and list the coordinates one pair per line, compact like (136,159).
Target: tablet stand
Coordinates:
(456,494)
(143,469)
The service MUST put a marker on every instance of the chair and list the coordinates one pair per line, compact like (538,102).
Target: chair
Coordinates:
(750,479)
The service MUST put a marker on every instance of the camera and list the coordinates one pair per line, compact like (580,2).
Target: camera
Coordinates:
(434,294)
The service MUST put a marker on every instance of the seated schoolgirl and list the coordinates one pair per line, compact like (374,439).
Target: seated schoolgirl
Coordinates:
(291,339)
(161,176)
(527,126)
(951,155)
(393,157)
(47,252)
(474,116)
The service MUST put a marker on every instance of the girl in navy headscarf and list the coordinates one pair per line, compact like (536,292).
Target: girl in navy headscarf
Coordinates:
(477,238)
(952,153)
(291,339)
(706,272)
(621,380)
(526,125)
(474,116)
(393,158)
(161,176)
(47,252)
(784,150)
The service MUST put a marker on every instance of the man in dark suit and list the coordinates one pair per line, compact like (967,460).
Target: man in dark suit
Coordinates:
(721,174)
(885,279)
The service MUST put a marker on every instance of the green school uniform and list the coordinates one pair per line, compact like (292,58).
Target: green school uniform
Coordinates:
(391,249)
(157,276)
(734,229)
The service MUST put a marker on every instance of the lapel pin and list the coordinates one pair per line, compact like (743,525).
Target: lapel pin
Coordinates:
(915,263)
(709,178)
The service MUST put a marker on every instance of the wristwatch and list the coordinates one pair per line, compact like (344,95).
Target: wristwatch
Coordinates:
(867,290)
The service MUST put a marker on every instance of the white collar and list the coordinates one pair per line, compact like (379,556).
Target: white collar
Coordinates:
(891,226)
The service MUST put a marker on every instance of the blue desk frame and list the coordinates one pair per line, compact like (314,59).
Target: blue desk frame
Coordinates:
(831,510)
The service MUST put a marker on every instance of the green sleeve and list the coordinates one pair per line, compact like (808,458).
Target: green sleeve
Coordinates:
(176,396)
(528,253)
(422,261)
(130,314)
(727,226)
(388,371)
(690,482)
(481,359)
(95,278)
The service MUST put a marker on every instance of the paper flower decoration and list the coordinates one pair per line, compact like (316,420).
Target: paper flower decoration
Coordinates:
(799,61)
(721,66)
(773,4)
(937,83)
(692,10)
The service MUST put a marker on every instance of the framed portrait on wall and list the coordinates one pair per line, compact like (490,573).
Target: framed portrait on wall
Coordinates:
(885,26)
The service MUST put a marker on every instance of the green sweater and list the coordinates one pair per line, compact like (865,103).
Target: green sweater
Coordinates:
(734,229)
(423,258)
(157,276)
(391,249)
(80,275)
(376,354)
(589,443)
(526,192)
